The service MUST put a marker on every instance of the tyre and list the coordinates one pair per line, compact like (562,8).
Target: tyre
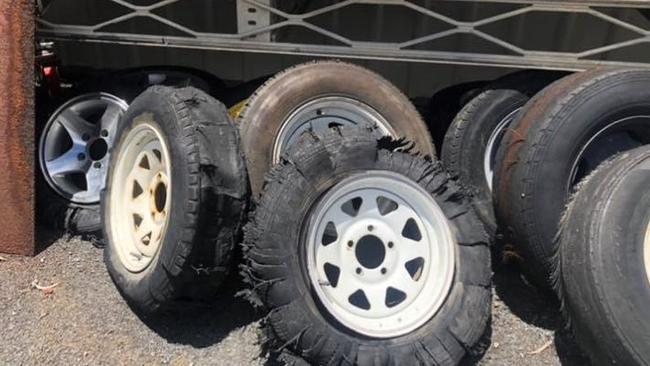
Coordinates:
(174,198)
(76,139)
(318,95)
(561,135)
(471,142)
(604,261)
(445,104)
(365,255)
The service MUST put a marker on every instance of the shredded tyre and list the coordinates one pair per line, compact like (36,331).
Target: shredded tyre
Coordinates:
(66,199)
(175,198)
(370,188)
(603,274)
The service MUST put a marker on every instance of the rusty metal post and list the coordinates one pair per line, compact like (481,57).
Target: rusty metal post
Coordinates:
(17,127)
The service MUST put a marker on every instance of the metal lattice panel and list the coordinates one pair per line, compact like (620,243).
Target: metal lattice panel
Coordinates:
(492,33)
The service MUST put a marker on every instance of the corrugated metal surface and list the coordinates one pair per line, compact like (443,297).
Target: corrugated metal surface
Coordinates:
(561,31)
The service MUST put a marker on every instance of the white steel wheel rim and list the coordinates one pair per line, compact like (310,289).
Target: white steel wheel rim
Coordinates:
(646,251)
(421,271)
(493,144)
(324,112)
(140,199)
(76,142)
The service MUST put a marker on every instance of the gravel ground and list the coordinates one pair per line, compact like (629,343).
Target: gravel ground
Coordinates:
(84,321)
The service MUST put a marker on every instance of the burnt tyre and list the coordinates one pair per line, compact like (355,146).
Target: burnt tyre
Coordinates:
(471,142)
(562,134)
(319,95)
(174,198)
(366,255)
(604,261)
(77,136)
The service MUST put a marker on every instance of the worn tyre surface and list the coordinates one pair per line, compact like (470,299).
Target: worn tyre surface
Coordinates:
(207,199)
(603,276)
(470,135)
(266,111)
(537,162)
(275,261)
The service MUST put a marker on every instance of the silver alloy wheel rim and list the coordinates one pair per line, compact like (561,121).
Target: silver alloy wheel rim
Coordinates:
(324,112)
(74,146)
(493,144)
(140,196)
(362,217)
(646,251)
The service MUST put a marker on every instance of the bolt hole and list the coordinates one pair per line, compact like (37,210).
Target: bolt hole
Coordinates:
(252,22)
(383,271)
(252,10)
(370,228)
(104,133)
(390,244)
(358,270)
(81,156)
(350,243)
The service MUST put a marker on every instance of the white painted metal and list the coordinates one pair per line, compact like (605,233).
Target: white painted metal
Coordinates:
(371,250)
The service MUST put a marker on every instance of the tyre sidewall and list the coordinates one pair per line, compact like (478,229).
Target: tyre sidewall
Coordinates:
(555,154)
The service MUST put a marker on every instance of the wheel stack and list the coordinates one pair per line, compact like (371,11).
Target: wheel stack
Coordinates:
(359,247)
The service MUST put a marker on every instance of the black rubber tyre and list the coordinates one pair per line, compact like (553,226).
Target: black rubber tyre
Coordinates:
(602,278)
(208,199)
(445,104)
(266,111)
(537,162)
(466,141)
(275,257)
(57,211)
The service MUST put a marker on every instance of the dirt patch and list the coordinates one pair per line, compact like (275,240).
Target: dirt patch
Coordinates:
(84,321)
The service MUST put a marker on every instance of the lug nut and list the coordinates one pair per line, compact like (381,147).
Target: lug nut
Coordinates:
(98,165)
(370,227)
(81,156)
(383,271)
(104,133)
(358,270)
(350,243)
(390,244)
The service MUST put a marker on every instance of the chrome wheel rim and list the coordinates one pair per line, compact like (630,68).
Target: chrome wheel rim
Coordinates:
(492,146)
(74,147)
(380,254)
(323,113)
(140,196)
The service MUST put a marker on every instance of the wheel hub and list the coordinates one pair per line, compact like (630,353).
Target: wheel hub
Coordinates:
(140,198)
(380,254)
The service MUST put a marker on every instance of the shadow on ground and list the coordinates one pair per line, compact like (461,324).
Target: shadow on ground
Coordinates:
(539,308)
(205,324)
